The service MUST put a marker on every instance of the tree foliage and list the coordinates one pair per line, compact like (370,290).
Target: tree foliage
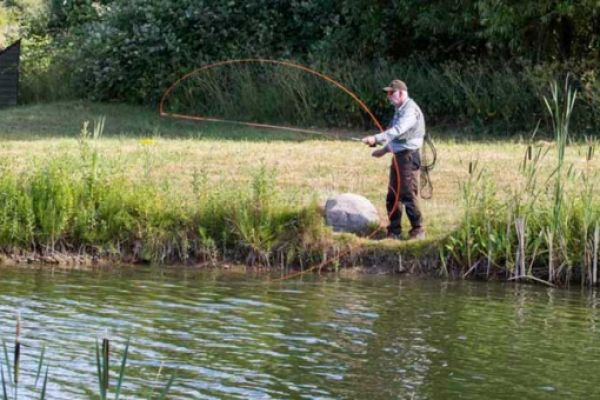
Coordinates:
(131,49)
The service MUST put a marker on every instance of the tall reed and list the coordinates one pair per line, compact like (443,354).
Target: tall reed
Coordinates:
(544,228)
(10,383)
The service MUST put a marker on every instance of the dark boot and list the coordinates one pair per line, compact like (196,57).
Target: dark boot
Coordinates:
(417,233)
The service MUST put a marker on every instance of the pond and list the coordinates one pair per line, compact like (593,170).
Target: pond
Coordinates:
(235,336)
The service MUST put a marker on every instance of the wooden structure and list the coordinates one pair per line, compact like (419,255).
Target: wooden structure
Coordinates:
(9,74)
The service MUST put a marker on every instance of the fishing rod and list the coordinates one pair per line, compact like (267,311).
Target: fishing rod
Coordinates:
(329,135)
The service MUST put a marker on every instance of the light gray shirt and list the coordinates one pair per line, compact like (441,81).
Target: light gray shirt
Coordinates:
(407,129)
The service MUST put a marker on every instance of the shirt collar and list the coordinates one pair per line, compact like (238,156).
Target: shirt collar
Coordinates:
(404,104)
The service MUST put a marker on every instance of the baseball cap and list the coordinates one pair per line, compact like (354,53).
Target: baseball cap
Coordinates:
(396,84)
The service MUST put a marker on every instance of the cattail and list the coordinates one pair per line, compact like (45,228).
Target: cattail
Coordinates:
(595,255)
(105,357)
(550,243)
(17,356)
(520,262)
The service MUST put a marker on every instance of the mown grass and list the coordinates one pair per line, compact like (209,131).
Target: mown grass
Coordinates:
(64,120)
(166,190)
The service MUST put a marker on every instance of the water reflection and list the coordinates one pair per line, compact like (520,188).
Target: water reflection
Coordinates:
(235,337)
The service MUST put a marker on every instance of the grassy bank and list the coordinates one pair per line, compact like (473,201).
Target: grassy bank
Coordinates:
(168,191)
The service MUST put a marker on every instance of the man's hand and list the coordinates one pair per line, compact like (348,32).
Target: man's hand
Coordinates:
(380,152)
(369,140)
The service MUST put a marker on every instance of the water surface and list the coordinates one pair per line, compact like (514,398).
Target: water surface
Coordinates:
(232,336)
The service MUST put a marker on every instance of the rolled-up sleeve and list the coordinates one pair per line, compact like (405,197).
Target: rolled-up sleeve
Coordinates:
(408,120)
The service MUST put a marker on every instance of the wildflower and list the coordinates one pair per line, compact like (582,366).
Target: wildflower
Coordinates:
(147,142)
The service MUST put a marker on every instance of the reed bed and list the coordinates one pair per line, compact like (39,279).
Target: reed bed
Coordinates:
(546,227)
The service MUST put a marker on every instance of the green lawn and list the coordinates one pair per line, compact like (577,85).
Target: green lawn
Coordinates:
(172,153)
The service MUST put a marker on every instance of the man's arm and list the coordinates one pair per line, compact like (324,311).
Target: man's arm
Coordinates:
(399,129)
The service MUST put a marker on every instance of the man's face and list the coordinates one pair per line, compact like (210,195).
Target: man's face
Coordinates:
(395,97)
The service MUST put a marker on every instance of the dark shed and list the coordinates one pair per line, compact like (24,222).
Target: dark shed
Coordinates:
(9,74)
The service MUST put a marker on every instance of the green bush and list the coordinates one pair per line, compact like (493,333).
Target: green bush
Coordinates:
(55,206)
(17,220)
(46,70)
(482,65)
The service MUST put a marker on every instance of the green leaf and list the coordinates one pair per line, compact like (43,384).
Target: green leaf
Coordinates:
(43,393)
(7,362)
(122,371)
(40,363)
(163,394)
(5,395)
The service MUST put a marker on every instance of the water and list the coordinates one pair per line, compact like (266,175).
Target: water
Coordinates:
(231,336)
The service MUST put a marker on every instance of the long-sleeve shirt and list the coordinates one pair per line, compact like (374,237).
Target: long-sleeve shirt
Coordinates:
(406,130)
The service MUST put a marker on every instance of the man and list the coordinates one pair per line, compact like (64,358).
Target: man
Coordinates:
(404,138)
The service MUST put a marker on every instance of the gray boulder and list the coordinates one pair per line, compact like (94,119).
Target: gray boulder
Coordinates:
(350,212)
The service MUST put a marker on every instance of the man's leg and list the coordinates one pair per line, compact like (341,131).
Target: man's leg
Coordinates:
(410,174)
(395,227)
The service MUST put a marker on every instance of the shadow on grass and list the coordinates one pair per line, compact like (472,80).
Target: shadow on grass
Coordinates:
(64,120)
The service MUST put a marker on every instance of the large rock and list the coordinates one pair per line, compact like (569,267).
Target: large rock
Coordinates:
(350,212)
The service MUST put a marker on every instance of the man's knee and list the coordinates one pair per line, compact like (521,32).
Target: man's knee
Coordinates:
(409,200)
(409,191)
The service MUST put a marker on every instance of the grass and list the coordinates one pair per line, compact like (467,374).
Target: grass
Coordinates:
(64,120)
(83,196)
(159,180)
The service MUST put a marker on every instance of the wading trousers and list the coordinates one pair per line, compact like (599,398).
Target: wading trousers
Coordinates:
(409,163)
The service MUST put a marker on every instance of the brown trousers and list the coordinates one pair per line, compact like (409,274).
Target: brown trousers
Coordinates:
(409,163)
